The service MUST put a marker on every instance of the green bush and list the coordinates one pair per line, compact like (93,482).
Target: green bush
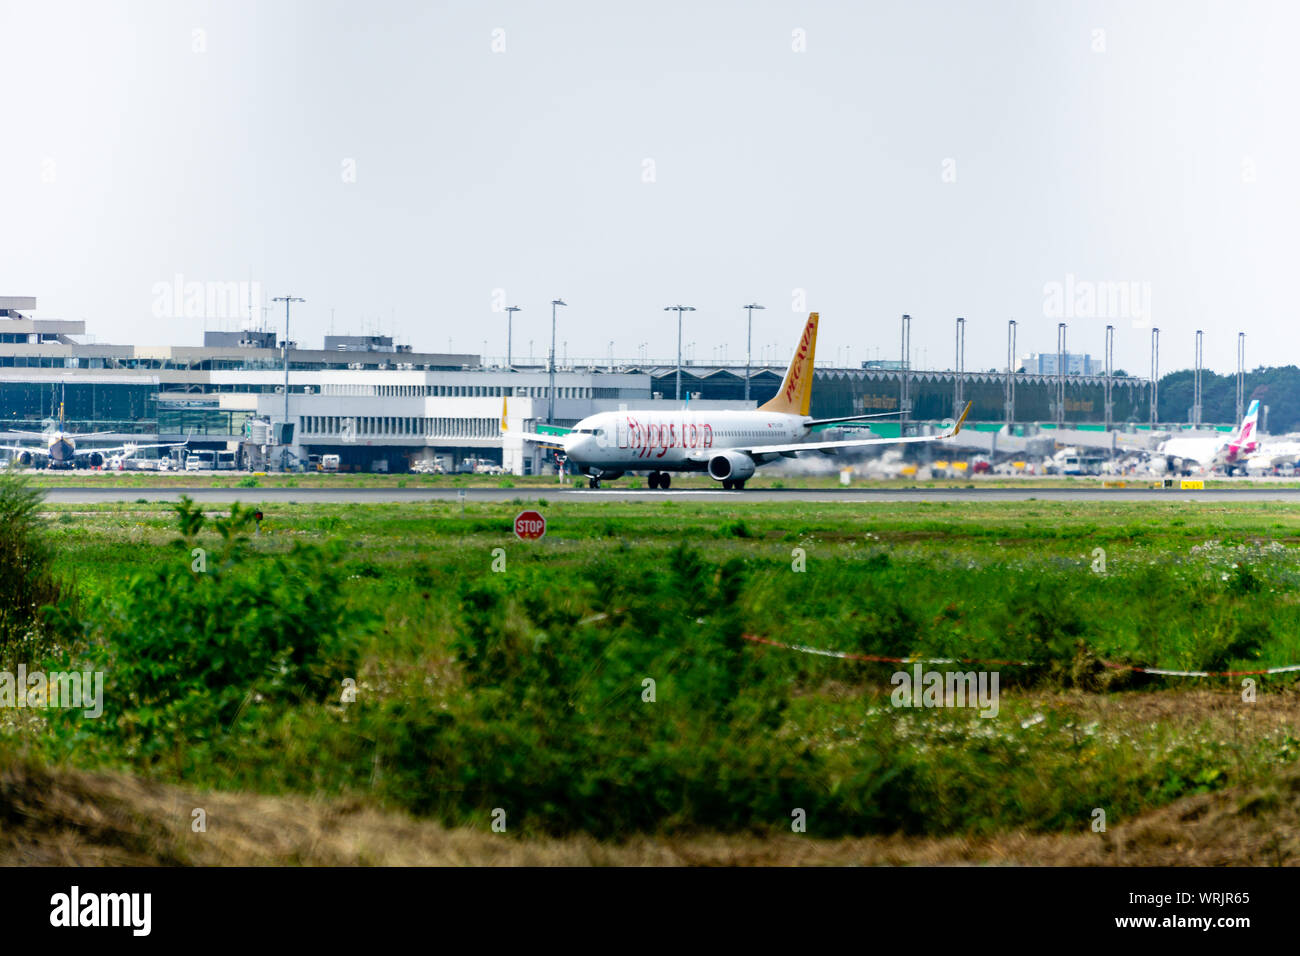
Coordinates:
(221,632)
(553,722)
(27,583)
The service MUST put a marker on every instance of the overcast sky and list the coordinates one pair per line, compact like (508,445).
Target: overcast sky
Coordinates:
(398,163)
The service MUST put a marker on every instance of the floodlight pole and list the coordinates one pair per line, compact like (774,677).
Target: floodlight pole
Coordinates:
(749,343)
(287,300)
(550,409)
(510,314)
(679,309)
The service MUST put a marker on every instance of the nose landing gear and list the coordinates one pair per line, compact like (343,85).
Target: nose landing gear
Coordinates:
(659,479)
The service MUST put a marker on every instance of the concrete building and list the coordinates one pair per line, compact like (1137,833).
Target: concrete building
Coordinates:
(376,405)
(1076,363)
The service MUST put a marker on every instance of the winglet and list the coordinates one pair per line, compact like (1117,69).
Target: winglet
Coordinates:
(961,421)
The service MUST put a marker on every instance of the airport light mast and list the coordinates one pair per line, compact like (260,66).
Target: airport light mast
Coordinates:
(1060,373)
(1155,376)
(679,309)
(749,340)
(1241,375)
(550,410)
(1009,391)
(287,300)
(958,396)
(510,314)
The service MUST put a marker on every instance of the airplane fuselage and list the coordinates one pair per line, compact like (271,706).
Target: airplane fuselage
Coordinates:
(677,440)
(1207,452)
(63,451)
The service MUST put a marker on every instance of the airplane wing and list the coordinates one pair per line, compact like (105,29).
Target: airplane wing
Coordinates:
(856,442)
(851,418)
(555,441)
(128,448)
(542,439)
(30,451)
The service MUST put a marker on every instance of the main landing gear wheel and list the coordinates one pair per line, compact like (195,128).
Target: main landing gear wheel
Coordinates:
(665,480)
(726,484)
(653,479)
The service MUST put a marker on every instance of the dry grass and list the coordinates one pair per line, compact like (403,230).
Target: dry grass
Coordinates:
(70,817)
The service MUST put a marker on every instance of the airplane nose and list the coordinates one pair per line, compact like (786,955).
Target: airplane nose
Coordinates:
(581,446)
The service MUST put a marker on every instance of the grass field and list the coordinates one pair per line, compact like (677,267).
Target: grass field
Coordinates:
(505,680)
(762,480)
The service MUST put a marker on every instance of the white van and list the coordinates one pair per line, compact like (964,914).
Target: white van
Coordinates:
(201,461)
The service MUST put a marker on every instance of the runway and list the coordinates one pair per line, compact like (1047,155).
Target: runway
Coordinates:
(87,496)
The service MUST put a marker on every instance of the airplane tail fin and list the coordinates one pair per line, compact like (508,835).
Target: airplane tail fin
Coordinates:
(795,395)
(1245,439)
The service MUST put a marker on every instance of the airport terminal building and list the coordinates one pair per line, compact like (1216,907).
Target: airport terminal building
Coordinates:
(377,405)
(381,406)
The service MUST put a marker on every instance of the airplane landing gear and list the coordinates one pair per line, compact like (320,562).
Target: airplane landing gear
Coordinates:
(658,479)
(593,482)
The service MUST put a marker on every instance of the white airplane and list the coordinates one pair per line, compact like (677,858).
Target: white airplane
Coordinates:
(1228,452)
(729,444)
(1271,453)
(61,449)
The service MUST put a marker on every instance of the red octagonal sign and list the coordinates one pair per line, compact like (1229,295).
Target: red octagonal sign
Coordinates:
(529,524)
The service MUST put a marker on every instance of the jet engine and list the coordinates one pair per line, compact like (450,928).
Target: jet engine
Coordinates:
(730,466)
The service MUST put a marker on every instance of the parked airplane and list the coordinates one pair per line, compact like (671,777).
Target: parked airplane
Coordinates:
(60,448)
(729,445)
(1273,453)
(1228,452)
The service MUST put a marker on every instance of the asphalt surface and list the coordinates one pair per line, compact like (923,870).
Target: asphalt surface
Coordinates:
(84,496)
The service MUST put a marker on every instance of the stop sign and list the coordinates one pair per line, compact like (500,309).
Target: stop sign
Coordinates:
(529,524)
